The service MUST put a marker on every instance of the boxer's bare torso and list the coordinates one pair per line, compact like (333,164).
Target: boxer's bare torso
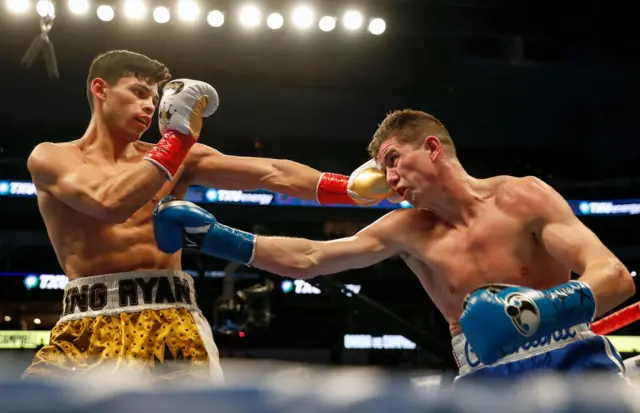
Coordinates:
(498,246)
(87,246)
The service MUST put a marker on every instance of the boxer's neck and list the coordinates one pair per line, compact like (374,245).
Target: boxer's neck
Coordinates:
(456,195)
(100,139)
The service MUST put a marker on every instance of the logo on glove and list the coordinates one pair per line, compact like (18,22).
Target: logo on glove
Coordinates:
(523,312)
(172,88)
(164,117)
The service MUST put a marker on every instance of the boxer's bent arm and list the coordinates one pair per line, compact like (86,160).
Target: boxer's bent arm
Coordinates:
(303,258)
(570,242)
(210,168)
(88,189)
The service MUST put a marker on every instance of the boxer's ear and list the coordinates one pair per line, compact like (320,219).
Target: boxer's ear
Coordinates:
(433,145)
(99,88)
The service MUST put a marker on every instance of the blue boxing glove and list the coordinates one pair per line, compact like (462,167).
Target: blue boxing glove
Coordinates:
(497,319)
(178,224)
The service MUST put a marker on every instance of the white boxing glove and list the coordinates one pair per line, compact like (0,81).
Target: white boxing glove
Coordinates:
(183,105)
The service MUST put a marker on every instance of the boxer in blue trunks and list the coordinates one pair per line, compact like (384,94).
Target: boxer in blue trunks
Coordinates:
(495,255)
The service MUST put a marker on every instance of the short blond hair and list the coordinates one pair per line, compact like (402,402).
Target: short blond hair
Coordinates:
(411,126)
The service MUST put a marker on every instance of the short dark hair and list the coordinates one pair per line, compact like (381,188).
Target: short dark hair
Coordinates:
(116,64)
(411,126)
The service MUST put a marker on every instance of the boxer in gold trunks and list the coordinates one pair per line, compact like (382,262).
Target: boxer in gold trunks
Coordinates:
(127,304)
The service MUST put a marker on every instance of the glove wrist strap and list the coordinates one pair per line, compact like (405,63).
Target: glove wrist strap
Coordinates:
(169,153)
(572,303)
(332,189)
(230,244)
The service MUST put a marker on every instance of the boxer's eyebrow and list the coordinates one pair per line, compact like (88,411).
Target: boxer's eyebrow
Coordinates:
(384,150)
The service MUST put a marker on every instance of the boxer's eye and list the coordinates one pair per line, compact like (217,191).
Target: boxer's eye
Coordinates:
(391,159)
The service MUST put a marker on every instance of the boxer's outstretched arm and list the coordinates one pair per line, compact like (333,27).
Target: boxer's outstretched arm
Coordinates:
(570,242)
(89,189)
(210,168)
(303,258)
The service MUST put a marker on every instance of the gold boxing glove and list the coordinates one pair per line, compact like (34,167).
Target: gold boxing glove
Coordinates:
(368,184)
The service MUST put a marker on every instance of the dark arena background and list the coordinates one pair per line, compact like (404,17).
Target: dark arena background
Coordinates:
(543,88)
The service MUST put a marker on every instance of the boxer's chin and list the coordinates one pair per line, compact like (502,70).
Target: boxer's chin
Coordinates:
(133,135)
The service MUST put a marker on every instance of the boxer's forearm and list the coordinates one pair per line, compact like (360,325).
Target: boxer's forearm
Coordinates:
(302,258)
(293,179)
(119,196)
(210,168)
(610,283)
(289,257)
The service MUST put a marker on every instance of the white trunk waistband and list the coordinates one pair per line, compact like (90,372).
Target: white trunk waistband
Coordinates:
(468,362)
(129,292)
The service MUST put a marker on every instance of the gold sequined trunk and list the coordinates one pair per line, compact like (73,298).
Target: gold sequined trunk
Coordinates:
(163,343)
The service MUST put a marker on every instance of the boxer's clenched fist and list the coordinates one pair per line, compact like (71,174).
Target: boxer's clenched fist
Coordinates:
(183,105)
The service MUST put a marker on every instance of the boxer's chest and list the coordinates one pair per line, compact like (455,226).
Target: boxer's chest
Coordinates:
(493,249)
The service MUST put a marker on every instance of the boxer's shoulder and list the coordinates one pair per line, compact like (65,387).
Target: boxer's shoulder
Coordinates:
(46,148)
(410,216)
(403,225)
(524,197)
(48,154)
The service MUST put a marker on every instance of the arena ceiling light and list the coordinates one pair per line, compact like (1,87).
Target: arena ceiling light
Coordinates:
(352,20)
(188,10)
(78,6)
(302,17)
(134,9)
(377,26)
(215,18)
(18,6)
(45,8)
(105,13)
(161,14)
(327,23)
(275,21)
(250,16)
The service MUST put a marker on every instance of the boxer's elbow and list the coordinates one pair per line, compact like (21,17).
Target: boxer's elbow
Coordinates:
(617,279)
(115,214)
(114,210)
(623,279)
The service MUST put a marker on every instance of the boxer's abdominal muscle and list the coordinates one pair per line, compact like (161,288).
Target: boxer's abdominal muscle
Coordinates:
(87,246)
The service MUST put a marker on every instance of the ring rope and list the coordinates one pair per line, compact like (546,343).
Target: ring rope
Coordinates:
(617,320)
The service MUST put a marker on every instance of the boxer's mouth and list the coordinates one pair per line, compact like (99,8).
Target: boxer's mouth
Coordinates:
(401,191)
(145,120)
